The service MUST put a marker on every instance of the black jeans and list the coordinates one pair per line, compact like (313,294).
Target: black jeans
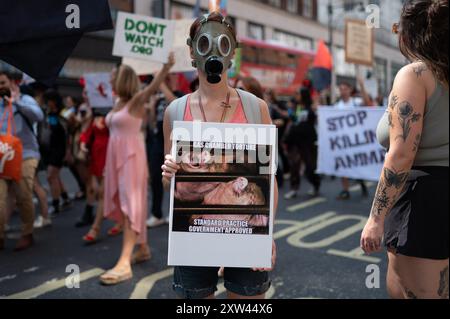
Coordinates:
(308,155)
(155,152)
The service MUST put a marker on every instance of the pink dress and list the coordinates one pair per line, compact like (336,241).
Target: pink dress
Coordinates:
(126,172)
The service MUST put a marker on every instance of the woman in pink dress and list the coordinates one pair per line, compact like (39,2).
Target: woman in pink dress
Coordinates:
(126,174)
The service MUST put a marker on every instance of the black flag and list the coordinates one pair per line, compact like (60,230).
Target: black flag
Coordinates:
(37,37)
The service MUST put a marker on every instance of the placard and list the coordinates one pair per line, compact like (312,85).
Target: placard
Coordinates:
(222,198)
(359,42)
(348,146)
(143,37)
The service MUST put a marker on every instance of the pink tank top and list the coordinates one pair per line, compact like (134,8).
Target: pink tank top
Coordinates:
(238,116)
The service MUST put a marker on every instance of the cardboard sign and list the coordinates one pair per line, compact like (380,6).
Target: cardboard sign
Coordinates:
(180,48)
(359,43)
(99,90)
(143,37)
(348,146)
(222,198)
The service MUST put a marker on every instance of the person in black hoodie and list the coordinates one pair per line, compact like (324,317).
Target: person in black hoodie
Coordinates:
(53,146)
(301,139)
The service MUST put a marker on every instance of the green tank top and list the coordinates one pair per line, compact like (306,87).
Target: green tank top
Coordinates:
(433,147)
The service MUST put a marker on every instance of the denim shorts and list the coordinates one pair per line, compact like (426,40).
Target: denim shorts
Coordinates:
(201,282)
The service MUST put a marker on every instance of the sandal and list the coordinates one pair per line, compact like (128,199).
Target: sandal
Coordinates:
(116,230)
(140,257)
(92,236)
(112,277)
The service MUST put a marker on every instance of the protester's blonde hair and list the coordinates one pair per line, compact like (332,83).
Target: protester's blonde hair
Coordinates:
(127,83)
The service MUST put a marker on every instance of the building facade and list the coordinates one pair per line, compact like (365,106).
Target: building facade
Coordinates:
(299,24)
(302,23)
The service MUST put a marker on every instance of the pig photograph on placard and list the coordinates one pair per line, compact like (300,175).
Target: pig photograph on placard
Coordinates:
(220,190)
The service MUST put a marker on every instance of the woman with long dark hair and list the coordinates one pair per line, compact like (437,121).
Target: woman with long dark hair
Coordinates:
(410,209)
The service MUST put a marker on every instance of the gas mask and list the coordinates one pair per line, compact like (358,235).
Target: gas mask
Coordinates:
(213,48)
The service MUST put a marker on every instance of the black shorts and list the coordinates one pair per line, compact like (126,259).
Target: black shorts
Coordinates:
(201,282)
(53,158)
(418,224)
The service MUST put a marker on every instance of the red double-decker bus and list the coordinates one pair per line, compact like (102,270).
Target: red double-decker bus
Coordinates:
(276,67)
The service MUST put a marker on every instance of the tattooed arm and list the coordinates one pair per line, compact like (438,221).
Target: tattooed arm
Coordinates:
(406,109)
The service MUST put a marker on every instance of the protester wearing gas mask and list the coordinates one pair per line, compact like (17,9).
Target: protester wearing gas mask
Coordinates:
(26,112)
(212,44)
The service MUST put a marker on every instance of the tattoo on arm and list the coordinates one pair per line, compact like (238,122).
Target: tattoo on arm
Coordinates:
(390,120)
(418,70)
(381,201)
(389,186)
(417,142)
(406,117)
(443,284)
(392,178)
(394,102)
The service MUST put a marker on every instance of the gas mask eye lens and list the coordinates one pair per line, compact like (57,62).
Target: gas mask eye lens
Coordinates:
(224,45)
(204,44)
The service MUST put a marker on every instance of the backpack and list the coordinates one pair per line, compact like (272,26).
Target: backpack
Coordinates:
(48,132)
(44,135)
(250,103)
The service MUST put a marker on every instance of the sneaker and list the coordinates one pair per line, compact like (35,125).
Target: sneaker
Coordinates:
(54,210)
(41,222)
(313,192)
(290,195)
(344,195)
(155,222)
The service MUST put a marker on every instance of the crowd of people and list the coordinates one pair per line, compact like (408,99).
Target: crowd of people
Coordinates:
(103,152)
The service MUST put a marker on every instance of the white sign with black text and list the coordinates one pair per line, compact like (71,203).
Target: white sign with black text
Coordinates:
(348,145)
(143,37)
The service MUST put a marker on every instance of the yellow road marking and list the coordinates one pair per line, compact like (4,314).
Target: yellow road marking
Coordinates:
(296,225)
(356,253)
(145,285)
(308,203)
(53,285)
